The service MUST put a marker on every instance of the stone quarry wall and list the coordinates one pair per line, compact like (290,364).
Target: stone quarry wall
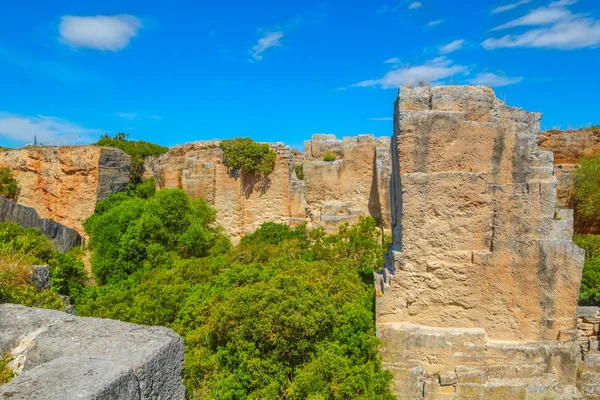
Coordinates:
(64,238)
(357,183)
(480,290)
(60,356)
(65,183)
(569,147)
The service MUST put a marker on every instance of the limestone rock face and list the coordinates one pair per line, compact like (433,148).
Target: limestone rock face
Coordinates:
(356,184)
(60,356)
(480,256)
(242,202)
(65,183)
(63,238)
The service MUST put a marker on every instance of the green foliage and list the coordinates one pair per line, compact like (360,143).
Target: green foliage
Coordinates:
(138,150)
(6,374)
(21,248)
(284,315)
(329,157)
(299,170)
(590,283)
(131,230)
(587,190)
(248,156)
(8,185)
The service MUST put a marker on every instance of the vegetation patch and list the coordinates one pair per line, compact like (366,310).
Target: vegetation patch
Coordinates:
(299,170)
(248,156)
(137,149)
(286,314)
(6,374)
(21,248)
(8,185)
(329,157)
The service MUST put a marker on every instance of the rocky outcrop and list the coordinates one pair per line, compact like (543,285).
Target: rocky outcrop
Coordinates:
(65,183)
(478,298)
(356,184)
(59,356)
(63,238)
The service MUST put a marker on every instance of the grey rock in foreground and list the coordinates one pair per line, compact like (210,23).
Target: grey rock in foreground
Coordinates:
(60,356)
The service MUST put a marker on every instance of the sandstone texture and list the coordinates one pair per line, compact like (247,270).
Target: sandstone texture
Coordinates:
(479,293)
(60,356)
(588,377)
(65,183)
(356,184)
(63,238)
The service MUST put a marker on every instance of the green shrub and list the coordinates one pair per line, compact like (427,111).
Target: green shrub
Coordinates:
(299,170)
(282,315)
(21,248)
(248,156)
(8,185)
(329,157)
(590,283)
(6,374)
(587,191)
(131,231)
(138,150)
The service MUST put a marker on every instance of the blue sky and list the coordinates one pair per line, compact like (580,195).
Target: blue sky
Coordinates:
(179,71)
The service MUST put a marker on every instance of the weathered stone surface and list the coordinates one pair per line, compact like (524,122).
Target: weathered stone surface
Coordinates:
(355,184)
(40,277)
(64,238)
(59,356)
(481,279)
(65,183)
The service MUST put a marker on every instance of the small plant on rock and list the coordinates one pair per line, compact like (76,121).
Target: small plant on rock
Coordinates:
(329,157)
(299,170)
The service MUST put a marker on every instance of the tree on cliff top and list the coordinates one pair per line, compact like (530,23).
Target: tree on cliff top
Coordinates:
(137,149)
(248,156)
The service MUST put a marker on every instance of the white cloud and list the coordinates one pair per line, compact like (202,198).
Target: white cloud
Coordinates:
(393,60)
(494,80)
(382,119)
(433,71)
(23,129)
(125,115)
(435,23)
(556,27)
(509,7)
(269,39)
(452,46)
(100,32)
(415,5)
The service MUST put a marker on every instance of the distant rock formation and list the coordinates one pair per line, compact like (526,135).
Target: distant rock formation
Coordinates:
(59,356)
(331,193)
(65,183)
(479,295)
(63,238)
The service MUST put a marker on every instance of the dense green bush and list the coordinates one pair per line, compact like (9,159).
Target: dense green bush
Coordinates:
(587,191)
(299,170)
(248,156)
(8,185)
(21,248)
(137,149)
(329,157)
(285,314)
(134,229)
(590,283)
